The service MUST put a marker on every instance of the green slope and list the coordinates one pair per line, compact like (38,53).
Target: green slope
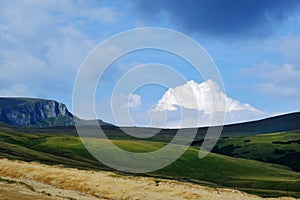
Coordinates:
(281,148)
(215,170)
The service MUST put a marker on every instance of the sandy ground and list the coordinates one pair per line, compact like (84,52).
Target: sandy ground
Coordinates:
(38,181)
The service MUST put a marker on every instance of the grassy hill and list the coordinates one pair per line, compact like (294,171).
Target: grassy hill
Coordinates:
(281,148)
(245,150)
(214,170)
(285,122)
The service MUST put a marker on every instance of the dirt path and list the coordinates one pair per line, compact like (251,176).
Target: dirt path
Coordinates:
(22,180)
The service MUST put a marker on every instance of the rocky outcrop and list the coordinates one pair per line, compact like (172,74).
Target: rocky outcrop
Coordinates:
(34,112)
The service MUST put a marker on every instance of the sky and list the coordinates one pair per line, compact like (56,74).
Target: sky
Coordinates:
(254,44)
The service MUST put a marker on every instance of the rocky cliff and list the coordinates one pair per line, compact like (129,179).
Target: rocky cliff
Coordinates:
(34,112)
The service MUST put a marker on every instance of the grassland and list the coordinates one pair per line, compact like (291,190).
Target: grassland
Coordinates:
(214,170)
(281,148)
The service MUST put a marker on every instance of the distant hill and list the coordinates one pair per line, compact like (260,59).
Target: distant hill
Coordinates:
(32,112)
(37,113)
(285,122)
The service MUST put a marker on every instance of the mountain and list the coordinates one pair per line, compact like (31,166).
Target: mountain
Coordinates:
(31,112)
(34,112)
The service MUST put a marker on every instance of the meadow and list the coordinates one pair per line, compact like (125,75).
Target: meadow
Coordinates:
(215,170)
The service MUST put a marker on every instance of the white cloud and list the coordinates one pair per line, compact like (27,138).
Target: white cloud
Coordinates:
(273,72)
(288,46)
(128,109)
(198,96)
(196,106)
(133,100)
(105,14)
(91,9)
(16,90)
(195,118)
(276,89)
(45,42)
(275,80)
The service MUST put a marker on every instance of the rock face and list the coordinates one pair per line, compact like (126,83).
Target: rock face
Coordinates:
(34,112)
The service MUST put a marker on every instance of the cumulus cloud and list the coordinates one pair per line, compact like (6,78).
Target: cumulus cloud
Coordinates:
(191,105)
(187,105)
(16,90)
(200,96)
(223,18)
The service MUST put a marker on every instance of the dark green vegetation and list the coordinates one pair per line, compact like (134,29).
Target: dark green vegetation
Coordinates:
(281,148)
(57,147)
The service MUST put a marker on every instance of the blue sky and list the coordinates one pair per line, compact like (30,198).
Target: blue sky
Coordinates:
(255,45)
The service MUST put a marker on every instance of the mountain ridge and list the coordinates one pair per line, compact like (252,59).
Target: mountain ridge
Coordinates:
(37,112)
(34,112)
